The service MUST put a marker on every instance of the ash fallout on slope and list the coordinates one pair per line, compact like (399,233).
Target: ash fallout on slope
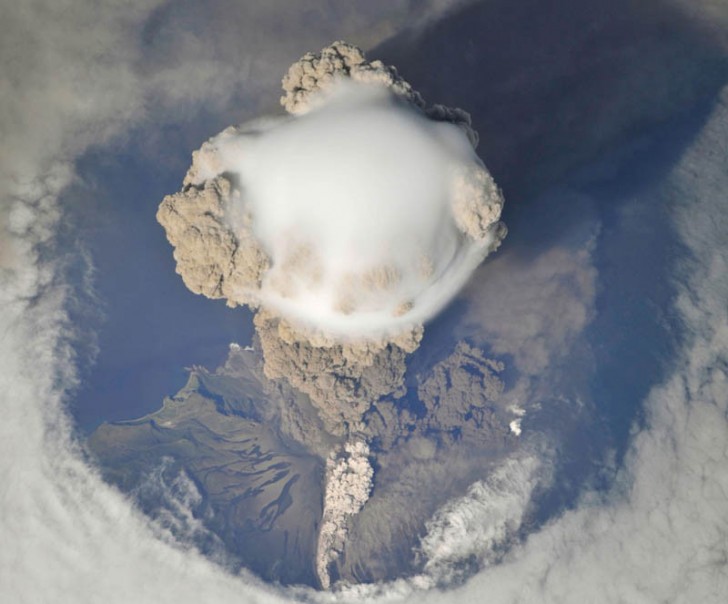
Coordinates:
(346,224)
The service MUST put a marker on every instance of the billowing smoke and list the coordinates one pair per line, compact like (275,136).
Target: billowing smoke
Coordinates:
(348,223)
(348,485)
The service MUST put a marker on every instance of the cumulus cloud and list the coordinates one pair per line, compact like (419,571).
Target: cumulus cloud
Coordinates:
(62,91)
(349,224)
(472,531)
(316,72)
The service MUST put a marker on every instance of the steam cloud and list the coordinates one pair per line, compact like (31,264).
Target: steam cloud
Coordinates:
(472,527)
(349,224)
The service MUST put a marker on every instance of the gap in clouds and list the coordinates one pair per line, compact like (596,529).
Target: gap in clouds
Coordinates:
(639,380)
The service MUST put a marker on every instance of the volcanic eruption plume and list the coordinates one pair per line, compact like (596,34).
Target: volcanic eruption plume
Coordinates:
(346,224)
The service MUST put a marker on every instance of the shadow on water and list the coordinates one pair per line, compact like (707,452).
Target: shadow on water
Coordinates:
(580,101)
(550,84)
(635,336)
(633,339)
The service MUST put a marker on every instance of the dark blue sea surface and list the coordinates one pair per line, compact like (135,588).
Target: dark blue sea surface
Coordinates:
(150,326)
